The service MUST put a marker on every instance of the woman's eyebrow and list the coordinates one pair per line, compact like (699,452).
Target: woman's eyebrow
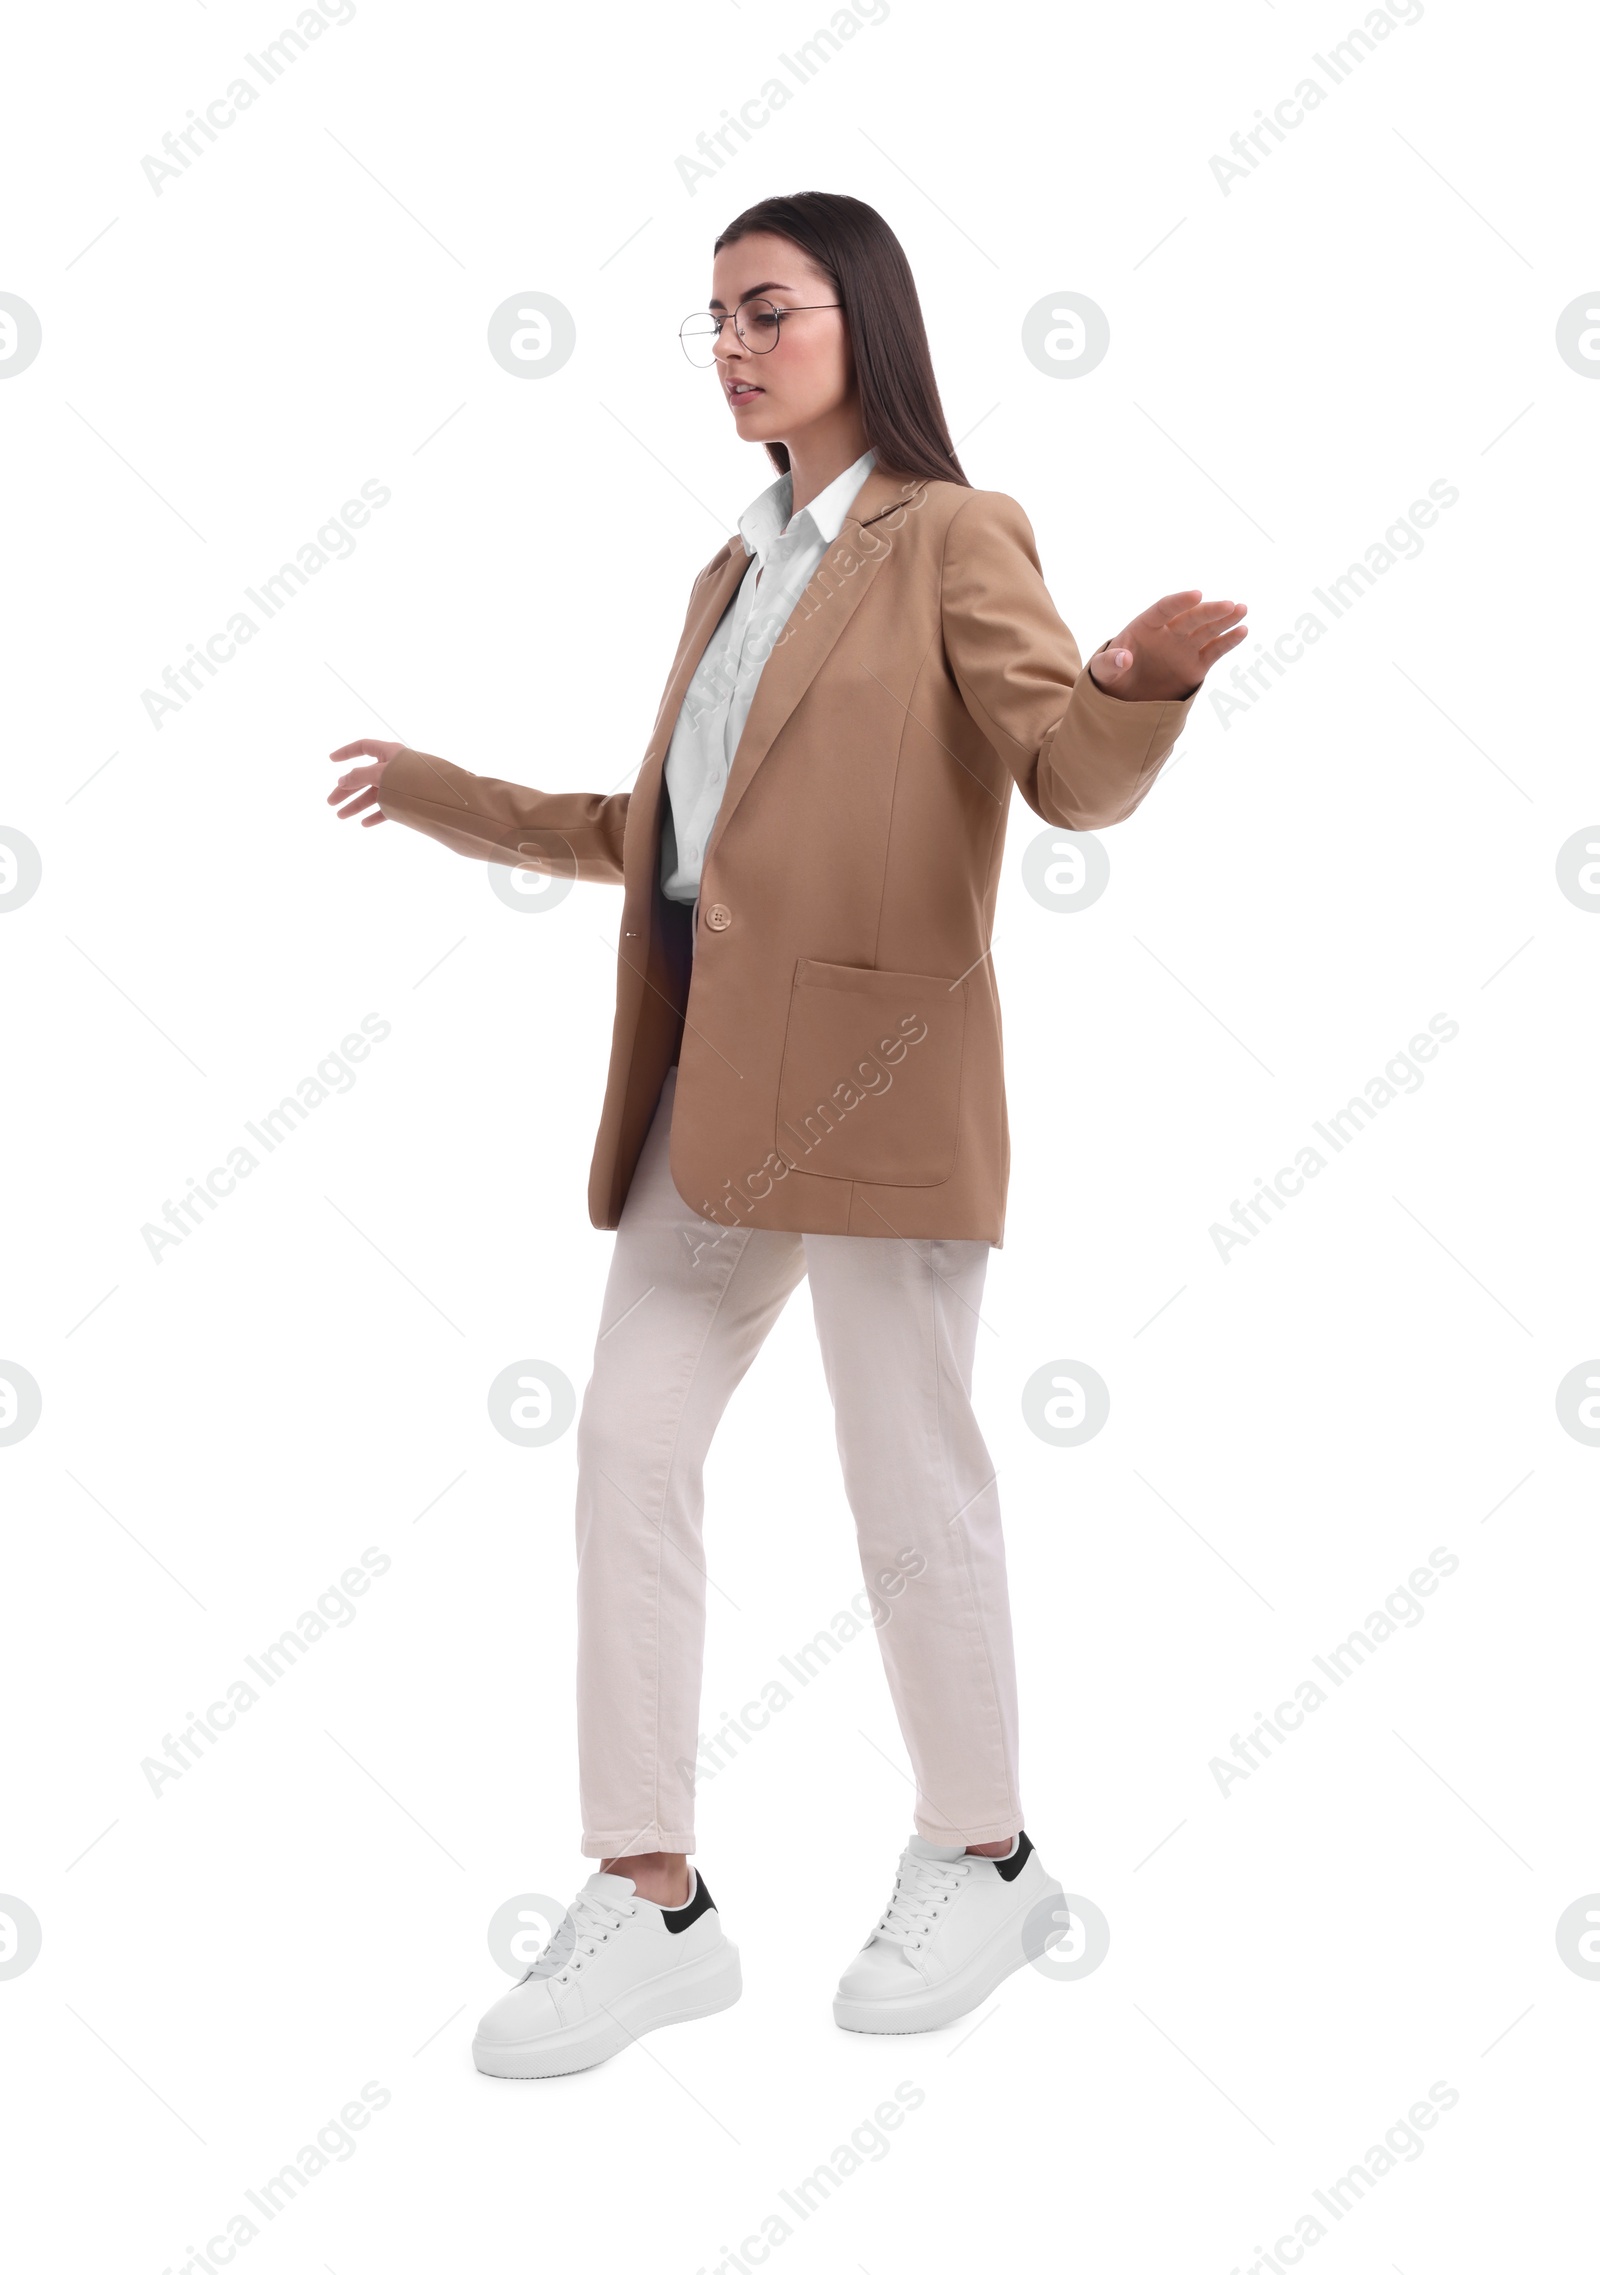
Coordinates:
(770,286)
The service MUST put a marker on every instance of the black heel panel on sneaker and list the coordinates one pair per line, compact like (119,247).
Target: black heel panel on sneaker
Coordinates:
(1009,1866)
(687,1914)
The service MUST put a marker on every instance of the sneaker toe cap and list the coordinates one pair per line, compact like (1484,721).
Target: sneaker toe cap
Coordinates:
(528,2011)
(880,1971)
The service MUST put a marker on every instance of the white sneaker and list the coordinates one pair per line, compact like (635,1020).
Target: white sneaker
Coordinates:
(952,1931)
(616,1967)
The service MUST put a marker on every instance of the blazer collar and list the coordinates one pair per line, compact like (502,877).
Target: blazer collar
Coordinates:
(882,491)
(879,494)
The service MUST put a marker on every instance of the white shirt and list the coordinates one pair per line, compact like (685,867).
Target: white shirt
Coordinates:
(784,555)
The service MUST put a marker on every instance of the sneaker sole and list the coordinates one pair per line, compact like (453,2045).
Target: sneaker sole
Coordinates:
(932,2010)
(704,1986)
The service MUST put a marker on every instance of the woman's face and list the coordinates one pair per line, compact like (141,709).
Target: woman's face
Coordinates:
(775,393)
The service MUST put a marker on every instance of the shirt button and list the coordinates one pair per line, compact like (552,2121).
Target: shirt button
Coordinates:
(718,917)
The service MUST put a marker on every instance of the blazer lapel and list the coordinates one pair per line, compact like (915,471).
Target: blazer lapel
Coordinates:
(722,579)
(724,576)
(820,615)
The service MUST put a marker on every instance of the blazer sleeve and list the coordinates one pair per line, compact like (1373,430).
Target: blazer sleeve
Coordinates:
(567,833)
(1082,759)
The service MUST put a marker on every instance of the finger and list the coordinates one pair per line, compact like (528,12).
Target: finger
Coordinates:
(358,805)
(1211,611)
(359,778)
(1216,616)
(1207,616)
(1215,650)
(373,820)
(1169,605)
(1193,642)
(365,749)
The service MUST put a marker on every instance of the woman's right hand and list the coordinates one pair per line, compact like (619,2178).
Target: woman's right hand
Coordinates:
(360,785)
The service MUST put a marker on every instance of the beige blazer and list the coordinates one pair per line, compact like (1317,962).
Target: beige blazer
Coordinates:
(836,1025)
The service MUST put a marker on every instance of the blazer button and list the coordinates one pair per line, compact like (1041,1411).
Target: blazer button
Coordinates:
(718,917)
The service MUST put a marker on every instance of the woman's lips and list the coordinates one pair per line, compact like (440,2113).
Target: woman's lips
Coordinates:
(744,394)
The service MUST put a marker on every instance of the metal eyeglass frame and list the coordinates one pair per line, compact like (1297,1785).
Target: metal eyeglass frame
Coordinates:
(799,308)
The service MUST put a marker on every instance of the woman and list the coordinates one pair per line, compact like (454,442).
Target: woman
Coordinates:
(806,1083)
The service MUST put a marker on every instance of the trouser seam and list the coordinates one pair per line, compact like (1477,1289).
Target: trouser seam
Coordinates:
(979,1620)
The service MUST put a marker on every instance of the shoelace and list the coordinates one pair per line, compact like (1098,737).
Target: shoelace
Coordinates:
(590,1919)
(922,1886)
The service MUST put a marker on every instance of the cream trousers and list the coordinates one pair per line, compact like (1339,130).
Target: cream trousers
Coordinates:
(687,1306)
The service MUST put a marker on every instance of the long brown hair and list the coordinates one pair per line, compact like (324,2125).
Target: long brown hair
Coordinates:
(867,268)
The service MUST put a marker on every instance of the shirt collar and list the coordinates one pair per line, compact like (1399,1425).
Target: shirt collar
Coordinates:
(764,520)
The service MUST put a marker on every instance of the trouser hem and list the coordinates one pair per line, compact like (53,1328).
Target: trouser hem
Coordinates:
(642,1844)
(946,1836)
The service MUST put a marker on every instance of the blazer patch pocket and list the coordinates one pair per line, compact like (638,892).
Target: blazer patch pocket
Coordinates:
(870,1083)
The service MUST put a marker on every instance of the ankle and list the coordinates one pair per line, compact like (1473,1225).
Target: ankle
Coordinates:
(993,1848)
(662,1877)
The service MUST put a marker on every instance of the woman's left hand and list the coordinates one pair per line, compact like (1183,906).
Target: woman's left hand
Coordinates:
(1163,655)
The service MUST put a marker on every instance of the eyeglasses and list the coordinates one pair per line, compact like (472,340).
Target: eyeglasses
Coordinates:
(757,322)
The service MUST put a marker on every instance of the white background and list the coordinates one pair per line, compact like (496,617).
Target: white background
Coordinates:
(1292,1431)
